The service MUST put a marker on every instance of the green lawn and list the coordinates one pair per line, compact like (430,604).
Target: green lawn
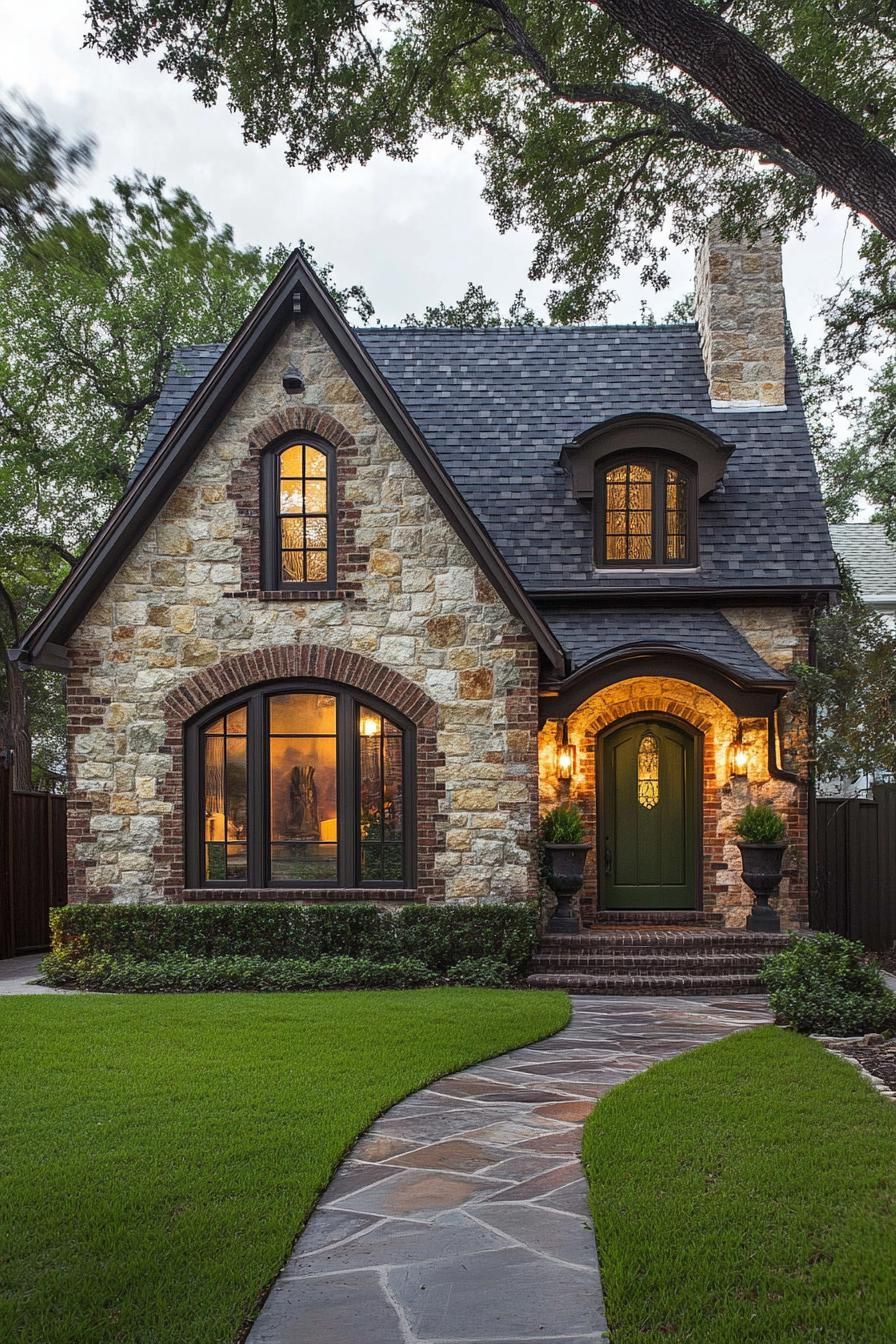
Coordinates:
(159,1154)
(745,1193)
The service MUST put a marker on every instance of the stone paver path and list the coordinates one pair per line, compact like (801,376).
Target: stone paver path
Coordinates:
(461,1216)
(18,973)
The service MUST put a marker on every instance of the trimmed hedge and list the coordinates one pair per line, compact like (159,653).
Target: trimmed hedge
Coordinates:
(178,972)
(484,939)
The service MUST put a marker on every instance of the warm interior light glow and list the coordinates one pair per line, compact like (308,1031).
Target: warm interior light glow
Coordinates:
(740,760)
(368,724)
(565,762)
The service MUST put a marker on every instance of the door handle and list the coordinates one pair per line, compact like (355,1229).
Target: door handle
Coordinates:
(608,858)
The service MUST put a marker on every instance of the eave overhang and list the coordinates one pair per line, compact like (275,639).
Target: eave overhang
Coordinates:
(747,697)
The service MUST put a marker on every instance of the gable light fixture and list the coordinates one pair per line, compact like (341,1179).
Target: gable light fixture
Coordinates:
(566,755)
(293,382)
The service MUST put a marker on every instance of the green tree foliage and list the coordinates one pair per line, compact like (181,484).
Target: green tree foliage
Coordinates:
(475,309)
(852,689)
(599,123)
(36,164)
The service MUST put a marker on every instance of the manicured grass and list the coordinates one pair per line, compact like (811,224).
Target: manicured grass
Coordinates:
(745,1193)
(158,1155)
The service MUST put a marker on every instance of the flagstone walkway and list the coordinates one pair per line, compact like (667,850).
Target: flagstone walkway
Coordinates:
(461,1216)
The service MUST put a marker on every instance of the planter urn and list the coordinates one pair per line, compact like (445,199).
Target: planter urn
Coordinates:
(565,874)
(762,874)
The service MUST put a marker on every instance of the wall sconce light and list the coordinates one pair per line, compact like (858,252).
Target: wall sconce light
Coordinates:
(738,757)
(293,382)
(566,757)
(368,724)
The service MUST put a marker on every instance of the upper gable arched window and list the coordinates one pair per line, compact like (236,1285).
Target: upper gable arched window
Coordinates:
(298,515)
(645,512)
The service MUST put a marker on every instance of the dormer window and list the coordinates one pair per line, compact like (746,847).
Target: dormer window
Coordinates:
(298,515)
(644,513)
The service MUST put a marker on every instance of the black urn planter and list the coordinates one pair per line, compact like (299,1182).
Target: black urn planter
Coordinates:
(565,873)
(762,874)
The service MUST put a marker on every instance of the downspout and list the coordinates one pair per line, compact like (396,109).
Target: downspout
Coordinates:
(774,769)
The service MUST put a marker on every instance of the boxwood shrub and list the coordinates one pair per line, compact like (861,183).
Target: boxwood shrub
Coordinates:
(437,938)
(822,983)
(182,973)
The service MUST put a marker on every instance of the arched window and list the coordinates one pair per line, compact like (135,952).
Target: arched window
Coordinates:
(298,513)
(300,784)
(646,513)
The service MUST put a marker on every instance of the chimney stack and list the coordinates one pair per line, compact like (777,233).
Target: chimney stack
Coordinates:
(740,313)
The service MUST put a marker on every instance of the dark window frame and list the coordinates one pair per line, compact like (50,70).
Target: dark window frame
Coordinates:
(272,577)
(657,463)
(349,705)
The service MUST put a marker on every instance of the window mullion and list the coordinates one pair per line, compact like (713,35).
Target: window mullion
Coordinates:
(257,803)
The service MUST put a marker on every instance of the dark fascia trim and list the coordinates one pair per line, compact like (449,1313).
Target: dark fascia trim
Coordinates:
(646,432)
(205,410)
(748,698)
(661,596)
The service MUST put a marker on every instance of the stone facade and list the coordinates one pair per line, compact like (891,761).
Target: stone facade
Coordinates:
(740,313)
(779,634)
(411,619)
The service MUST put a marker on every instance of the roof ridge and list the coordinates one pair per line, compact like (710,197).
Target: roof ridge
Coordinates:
(539,327)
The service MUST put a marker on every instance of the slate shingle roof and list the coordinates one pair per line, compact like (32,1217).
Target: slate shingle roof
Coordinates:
(587,633)
(498,404)
(189,366)
(869,555)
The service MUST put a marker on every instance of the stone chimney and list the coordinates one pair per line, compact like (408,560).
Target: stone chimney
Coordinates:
(740,313)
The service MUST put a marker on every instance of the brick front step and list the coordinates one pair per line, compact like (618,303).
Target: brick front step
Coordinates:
(696,985)
(661,939)
(653,963)
(701,917)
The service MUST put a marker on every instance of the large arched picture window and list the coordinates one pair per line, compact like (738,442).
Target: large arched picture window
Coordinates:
(646,513)
(300,784)
(298,512)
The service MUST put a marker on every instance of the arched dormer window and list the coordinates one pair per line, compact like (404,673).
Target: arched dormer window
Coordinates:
(298,498)
(645,512)
(643,475)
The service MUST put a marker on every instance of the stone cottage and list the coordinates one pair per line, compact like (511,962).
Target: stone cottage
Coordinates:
(374,597)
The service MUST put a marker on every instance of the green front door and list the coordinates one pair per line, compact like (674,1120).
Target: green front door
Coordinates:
(647,812)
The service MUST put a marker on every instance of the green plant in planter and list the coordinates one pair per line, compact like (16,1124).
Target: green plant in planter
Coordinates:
(760,824)
(563,825)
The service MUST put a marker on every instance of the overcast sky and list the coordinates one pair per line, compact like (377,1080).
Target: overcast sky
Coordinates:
(412,234)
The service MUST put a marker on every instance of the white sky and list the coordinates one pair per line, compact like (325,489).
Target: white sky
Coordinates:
(412,234)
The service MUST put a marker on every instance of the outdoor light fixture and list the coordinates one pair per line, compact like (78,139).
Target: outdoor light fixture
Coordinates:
(566,757)
(293,382)
(738,756)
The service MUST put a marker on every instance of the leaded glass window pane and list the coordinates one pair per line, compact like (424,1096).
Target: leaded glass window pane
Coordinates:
(381,815)
(302,495)
(629,513)
(648,772)
(676,515)
(225,798)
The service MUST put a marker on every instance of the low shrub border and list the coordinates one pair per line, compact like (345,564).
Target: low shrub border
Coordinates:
(284,945)
(822,983)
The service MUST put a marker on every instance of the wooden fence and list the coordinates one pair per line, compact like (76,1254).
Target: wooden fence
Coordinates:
(854,891)
(32,866)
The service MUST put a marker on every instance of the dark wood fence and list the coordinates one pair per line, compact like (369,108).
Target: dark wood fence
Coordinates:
(854,892)
(32,866)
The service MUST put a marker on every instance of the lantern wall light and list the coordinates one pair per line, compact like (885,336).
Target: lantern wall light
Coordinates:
(566,756)
(739,757)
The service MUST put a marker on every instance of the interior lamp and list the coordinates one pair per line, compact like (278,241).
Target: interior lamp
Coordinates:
(368,724)
(566,756)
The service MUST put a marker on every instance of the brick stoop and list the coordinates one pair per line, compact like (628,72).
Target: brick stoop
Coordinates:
(669,958)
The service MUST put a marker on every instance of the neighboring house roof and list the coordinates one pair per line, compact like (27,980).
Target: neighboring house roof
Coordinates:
(188,432)
(498,404)
(871,558)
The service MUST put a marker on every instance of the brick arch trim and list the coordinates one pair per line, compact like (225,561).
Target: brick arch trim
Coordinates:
(242,671)
(291,419)
(603,716)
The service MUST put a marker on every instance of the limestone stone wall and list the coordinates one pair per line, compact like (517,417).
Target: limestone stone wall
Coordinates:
(740,313)
(411,617)
(779,634)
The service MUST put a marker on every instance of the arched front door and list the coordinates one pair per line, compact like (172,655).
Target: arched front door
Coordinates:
(648,817)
